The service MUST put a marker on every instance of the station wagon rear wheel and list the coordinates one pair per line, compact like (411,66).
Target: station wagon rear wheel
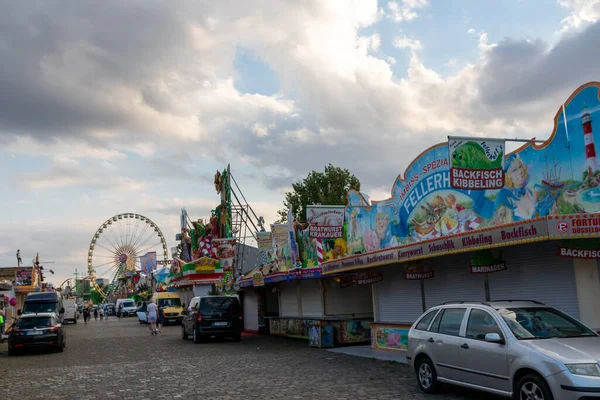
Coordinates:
(532,387)
(426,376)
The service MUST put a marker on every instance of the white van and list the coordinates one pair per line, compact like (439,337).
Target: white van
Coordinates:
(70,310)
(129,307)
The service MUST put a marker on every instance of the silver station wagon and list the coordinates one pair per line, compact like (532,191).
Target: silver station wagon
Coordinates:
(520,349)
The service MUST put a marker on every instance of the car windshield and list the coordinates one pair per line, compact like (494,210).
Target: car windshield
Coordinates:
(35,322)
(174,302)
(36,308)
(542,323)
(219,304)
(128,304)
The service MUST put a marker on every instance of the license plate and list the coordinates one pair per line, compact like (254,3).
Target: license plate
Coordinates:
(35,332)
(219,323)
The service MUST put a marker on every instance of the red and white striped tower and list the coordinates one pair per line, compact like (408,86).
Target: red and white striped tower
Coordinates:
(591,164)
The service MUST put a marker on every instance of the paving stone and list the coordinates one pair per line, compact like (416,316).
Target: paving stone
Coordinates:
(119,359)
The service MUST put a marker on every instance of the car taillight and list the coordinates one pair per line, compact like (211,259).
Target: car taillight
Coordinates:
(55,329)
(198,317)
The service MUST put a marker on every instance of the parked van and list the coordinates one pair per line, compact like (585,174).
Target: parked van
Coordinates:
(171,303)
(70,310)
(44,302)
(129,308)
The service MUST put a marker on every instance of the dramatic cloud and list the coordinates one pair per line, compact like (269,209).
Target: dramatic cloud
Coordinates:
(582,11)
(405,10)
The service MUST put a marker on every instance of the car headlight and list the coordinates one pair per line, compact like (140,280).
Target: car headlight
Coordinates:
(584,369)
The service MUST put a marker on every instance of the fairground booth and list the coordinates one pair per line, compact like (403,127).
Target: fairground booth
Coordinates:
(465,221)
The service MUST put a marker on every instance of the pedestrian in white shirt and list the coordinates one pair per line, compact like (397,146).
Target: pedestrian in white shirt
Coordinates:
(151,315)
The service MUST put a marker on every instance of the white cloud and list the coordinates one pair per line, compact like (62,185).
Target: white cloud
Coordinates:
(471,31)
(582,12)
(405,10)
(407,43)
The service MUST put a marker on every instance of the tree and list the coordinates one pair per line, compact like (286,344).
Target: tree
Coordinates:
(318,188)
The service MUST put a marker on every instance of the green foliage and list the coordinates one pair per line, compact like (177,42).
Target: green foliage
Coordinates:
(566,207)
(318,188)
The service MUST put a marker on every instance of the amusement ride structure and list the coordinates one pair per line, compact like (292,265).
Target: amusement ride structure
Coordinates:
(116,247)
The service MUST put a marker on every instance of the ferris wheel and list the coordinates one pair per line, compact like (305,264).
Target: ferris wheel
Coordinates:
(117,245)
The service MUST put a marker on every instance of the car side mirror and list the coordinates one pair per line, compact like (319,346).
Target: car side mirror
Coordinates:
(494,338)
(19,312)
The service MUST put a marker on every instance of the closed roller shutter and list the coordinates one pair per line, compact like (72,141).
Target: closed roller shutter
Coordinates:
(355,300)
(312,299)
(288,301)
(250,311)
(534,272)
(453,281)
(398,300)
(202,290)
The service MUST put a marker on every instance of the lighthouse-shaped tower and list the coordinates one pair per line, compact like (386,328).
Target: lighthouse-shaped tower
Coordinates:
(591,164)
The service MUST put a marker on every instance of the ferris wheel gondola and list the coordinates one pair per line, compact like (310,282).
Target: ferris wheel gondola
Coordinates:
(117,245)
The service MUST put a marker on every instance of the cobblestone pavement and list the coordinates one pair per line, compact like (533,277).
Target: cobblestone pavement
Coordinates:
(119,359)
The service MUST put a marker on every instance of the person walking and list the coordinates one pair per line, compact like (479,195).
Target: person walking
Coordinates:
(151,316)
(86,314)
(96,313)
(101,312)
(161,317)
(120,311)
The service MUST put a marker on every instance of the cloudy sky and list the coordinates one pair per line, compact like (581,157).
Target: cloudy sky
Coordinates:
(132,106)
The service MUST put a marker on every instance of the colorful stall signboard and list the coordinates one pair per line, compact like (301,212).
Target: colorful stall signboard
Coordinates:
(484,262)
(264,240)
(281,246)
(293,242)
(557,178)
(418,270)
(390,337)
(258,279)
(24,277)
(476,164)
(325,221)
(309,249)
(148,262)
(571,226)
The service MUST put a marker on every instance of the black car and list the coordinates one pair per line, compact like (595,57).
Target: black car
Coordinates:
(207,316)
(37,330)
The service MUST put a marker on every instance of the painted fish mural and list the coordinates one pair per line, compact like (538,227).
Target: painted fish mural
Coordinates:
(471,155)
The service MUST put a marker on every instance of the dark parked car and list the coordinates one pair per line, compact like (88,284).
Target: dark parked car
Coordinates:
(109,309)
(37,330)
(207,316)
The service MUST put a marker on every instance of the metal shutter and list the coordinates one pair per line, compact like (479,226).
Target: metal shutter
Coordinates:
(354,300)
(535,272)
(312,299)
(453,281)
(398,300)
(202,290)
(288,301)
(250,311)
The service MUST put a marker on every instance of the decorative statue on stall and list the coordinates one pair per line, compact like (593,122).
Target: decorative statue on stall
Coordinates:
(186,242)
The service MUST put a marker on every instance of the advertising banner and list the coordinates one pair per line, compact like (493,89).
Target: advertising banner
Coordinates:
(292,242)
(258,279)
(529,231)
(24,277)
(476,163)
(573,225)
(281,246)
(325,221)
(148,262)
(417,270)
(580,248)
(484,262)
(264,240)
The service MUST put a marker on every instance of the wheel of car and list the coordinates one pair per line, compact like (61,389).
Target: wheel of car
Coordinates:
(237,337)
(74,320)
(197,337)
(12,352)
(184,334)
(60,348)
(141,322)
(532,387)
(426,375)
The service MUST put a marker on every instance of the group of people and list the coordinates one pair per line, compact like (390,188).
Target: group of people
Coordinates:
(96,312)
(155,315)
